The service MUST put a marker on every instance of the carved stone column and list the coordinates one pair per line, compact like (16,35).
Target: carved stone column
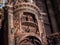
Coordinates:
(10,25)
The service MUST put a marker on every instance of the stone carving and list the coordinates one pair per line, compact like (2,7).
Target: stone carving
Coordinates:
(16,21)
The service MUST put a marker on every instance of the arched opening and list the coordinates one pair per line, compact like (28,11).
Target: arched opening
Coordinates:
(27,16)
(30,40)
(29,23)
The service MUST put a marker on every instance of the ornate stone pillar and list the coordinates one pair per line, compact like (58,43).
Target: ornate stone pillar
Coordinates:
(10,25)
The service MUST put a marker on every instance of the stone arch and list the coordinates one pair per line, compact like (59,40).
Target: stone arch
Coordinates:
(30,40)
(33,39)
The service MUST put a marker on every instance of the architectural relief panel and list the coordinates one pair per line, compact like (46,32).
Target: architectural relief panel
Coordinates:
(16,22)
